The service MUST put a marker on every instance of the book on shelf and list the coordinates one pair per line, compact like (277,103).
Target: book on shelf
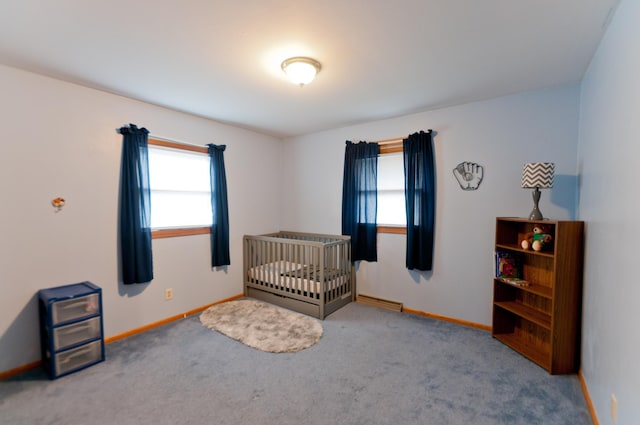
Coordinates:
(516,281)
(508,264)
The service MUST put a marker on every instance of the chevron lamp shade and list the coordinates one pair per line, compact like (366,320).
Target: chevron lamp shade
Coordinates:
(537,174)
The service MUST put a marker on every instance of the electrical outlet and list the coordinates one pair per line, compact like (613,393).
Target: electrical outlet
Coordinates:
(614,408)
(168,294)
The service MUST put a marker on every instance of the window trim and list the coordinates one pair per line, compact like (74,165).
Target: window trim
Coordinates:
(390,146)
(176,145)
(178,231)
(387,147)
(394,230)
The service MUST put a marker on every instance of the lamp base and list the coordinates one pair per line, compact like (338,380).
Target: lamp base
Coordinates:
(535,212)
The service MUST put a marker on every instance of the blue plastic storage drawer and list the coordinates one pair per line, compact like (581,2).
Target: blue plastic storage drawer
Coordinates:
(71,335)
(75,333)
(74,309)
(77,358)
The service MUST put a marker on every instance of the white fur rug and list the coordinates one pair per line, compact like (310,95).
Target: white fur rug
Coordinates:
(263,326)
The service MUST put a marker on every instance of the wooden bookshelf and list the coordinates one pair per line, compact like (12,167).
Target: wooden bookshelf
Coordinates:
(542,320)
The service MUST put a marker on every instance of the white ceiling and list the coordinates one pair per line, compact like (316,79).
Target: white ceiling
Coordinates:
(380,58)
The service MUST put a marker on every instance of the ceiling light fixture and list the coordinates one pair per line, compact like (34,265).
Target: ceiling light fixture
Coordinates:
(301,70)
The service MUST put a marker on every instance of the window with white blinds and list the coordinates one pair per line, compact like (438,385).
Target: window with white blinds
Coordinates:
(391,199)
(180,188)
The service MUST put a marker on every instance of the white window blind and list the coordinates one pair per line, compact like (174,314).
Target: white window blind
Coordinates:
(391,205)
(180,188)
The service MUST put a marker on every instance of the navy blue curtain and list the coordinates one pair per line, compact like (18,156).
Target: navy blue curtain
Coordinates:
(219,207)
(360,199)
(419,187)
(135,207)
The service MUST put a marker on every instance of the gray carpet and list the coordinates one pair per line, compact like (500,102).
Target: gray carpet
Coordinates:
(370,367)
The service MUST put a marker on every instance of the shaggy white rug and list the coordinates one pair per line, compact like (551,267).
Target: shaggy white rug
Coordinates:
(263,326)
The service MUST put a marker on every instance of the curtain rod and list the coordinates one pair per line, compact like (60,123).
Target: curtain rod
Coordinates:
(171,143)
(153,136)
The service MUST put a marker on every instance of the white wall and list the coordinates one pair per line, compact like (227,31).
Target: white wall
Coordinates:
(60,139)
(609,151)
(501,135)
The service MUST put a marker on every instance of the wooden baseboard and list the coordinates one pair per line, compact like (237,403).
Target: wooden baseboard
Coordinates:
(24,368)
(447,319)
(167,320)
(587,397)
(379,302)
(397,306)
(18,370)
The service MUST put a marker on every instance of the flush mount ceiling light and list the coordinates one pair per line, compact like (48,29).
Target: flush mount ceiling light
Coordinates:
(301,70)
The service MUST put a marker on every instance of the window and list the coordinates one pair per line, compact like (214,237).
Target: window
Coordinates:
(179,179)
(391,205)
(391,216)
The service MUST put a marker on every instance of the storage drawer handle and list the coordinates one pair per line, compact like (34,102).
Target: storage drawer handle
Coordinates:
(77,354)
(88,305)
(77,328)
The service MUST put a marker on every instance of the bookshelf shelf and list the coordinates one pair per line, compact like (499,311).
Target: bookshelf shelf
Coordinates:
(543,291)
(516,248)
(542,320)
(526,312)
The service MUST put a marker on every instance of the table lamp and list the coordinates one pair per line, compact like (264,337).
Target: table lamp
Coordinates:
(537,175)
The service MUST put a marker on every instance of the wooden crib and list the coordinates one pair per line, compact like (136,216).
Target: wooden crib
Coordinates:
(306,272)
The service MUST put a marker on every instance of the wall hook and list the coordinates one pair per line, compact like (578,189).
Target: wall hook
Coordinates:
(58,203)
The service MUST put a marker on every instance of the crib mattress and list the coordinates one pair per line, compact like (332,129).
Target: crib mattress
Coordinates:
(291,276)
